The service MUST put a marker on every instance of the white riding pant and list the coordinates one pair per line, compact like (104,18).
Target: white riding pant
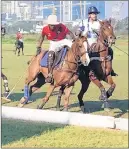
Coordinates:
(56,45)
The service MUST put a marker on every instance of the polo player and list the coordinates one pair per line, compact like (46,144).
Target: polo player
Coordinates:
(19,41)
(88,27)
(56,34)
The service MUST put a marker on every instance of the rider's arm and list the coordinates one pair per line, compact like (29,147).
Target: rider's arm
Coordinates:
(84,28)
(71,35)
(40,41)
(41,38)
(68,32)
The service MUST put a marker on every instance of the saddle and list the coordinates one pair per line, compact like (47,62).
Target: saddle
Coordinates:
(59,57)
(93,50)
(94,53)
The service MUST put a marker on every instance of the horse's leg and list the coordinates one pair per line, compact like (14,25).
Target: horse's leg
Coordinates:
(40,82)
(85,84)
(61,91)
(18,51)
(22,52)
(103,95)
(67,92)
(46,98)
(22,49)
(24,100)
(98,83)
(109,79)
(15,51)
(6,88)
(33,70)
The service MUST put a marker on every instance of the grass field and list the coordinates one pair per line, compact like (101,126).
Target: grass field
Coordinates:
(27,134)
(67,136)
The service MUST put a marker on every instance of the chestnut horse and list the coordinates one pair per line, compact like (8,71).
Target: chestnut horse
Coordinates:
(64,75)
(100,67)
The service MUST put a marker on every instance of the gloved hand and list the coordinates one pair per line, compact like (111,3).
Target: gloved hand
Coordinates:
(82,28)
(38,50)
(77,33)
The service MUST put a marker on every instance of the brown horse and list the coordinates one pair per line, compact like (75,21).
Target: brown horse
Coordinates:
(99,68)
(64,75)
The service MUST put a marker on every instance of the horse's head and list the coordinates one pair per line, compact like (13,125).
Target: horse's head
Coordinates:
(106,32)
(79,49)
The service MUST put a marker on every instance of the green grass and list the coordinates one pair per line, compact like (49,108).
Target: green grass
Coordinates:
(15,67)
(28,38)
(35,134)
(22,134)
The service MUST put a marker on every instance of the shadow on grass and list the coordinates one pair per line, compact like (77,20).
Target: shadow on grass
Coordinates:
(15,130)
(35,96)
(120,107)
(94,106)
(18,96)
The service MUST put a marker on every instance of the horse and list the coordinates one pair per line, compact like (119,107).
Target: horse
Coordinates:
(65,74)
(99,69)
(19,45)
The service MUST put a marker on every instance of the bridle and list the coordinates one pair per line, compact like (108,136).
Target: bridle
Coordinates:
(77,53)
(105,40)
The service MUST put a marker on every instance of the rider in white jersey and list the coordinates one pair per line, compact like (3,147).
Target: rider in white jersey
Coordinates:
(88,27)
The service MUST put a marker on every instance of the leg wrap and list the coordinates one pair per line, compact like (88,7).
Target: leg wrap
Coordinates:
(110,91)
(26,92)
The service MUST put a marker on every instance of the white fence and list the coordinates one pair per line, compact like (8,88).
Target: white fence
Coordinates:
(70,118)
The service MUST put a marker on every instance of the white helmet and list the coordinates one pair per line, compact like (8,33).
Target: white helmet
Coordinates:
(52,20)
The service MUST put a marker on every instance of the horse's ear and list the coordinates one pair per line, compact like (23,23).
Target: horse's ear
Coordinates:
(83,38)
(101,22)
(110,20)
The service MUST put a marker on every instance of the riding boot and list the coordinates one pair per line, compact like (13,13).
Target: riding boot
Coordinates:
(51,55)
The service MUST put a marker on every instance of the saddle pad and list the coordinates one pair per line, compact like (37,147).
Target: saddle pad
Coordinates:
(59,57)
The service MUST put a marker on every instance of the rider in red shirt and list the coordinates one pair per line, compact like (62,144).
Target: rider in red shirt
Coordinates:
(56,33)
(19,41)
(19,36)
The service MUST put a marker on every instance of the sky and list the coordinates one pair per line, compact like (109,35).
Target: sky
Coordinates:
(123,11)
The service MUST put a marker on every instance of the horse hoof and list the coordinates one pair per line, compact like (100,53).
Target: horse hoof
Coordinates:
(39,107)
(23,100)
(20,105)
(107,106)
(57,109)
(65,109)
(102,98)
(82,109)
(107,109)
(102,106)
